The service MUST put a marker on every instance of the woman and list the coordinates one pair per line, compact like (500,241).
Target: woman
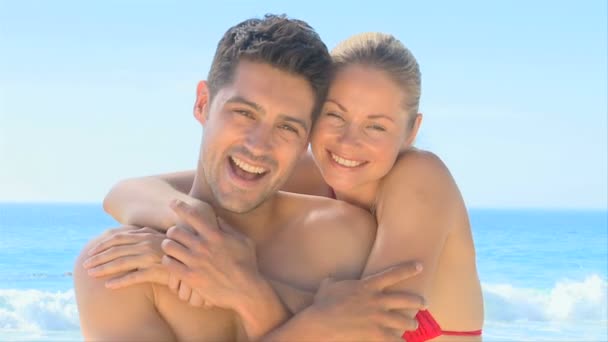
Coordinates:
(362,147)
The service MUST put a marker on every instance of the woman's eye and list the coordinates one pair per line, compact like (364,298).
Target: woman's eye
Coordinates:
(377,128)
(334,115)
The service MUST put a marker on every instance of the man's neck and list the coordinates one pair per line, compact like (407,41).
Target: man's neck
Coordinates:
(256,224)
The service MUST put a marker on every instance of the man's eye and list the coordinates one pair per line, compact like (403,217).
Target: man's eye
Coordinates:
(244,113)
(289,128)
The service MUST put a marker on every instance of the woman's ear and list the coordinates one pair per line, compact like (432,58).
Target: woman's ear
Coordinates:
(201,106)
(412,131)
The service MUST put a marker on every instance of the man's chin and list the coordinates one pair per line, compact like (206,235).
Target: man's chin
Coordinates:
(239,207)
(238,200)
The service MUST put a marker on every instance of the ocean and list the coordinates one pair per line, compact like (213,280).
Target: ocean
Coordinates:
(544,273)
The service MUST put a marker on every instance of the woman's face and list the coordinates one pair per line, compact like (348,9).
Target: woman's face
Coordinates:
(361,129)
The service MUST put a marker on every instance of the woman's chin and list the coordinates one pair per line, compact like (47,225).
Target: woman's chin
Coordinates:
(340,184)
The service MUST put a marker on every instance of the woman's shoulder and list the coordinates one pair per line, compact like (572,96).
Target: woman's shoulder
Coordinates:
(420,164)
(419,178)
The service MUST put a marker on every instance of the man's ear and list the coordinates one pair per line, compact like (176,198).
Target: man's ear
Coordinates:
(201,106)
(413,131)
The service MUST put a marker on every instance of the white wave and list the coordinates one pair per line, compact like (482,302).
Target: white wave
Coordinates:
(34,310)
(568,300)
(25,314)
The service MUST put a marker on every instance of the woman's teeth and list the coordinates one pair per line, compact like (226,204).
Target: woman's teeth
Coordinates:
(247,167)
(345,162)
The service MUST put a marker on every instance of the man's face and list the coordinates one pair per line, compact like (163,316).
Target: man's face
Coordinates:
(255,130)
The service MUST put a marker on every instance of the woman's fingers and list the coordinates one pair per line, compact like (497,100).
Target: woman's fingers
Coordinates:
(110,254)
(148,275)
(183,236)
(124,264)
(117,239)
(185,291)
(177,251)
(196,300)
(181,271)
(174,282)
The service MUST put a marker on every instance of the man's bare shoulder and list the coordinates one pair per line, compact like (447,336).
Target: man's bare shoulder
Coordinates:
(125,314)
(315,210)
(142,312)
(333,230)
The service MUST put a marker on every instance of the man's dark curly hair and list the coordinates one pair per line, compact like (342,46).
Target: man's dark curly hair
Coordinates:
(287,44)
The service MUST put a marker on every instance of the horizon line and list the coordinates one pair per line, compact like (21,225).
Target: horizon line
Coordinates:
(477,207)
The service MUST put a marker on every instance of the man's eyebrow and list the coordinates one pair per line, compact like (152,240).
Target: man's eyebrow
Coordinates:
(300,122)
(241,100)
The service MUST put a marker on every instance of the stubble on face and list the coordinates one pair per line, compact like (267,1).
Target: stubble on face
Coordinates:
(234,198)
(228,135)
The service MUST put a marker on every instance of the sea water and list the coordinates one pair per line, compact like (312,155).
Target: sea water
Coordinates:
(543,272)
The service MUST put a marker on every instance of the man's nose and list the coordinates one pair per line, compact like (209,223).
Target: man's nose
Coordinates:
(259,139)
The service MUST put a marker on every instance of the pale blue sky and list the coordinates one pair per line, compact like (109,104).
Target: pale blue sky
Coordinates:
(514,92)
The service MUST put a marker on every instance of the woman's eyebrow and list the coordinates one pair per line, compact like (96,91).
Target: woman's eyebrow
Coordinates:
(372,116)
(381,116)
(342,108)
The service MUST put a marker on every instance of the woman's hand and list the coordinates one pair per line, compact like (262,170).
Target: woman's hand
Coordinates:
(365,309)
(218,263)
(356,310)
(132,255)
(129,255)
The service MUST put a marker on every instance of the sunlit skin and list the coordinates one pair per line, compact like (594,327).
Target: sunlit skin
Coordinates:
(363,121)
(262,118)
(362,147)
(261,122)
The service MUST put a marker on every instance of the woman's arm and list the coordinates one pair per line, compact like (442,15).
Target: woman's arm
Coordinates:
(418,206)
(222,267)
(145,201)
(355,310)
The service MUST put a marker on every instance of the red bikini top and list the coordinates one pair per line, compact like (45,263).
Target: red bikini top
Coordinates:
(428,328)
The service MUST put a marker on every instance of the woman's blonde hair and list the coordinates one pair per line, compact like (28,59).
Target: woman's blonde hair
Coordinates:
(387,53)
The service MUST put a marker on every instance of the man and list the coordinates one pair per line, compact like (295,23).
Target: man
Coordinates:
(265,86)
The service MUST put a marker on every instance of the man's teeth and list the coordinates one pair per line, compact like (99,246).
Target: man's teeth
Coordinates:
(248,167)
(345,162)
